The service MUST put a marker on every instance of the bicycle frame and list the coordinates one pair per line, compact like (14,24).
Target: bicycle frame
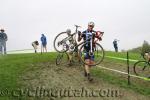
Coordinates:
(71,36)
(147,64)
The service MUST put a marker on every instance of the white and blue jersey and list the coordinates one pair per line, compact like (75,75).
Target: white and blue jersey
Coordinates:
(87,36)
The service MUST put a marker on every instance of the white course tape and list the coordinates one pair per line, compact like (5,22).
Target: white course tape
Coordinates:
(125,73)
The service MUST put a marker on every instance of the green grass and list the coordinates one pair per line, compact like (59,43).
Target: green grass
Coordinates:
(135,56)
(121,82)
(12,67)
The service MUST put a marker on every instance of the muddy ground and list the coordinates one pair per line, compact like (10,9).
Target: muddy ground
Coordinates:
(53,79)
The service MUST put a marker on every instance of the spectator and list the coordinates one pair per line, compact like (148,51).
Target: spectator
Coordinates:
(3,39)
(115,43)
(35,45)
(44,43)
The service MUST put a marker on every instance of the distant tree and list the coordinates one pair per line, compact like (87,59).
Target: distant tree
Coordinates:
(136,50)
(123,50)
(145,47)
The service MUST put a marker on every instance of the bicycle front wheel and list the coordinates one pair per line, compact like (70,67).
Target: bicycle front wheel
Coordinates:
(93,59)
(62,59)
(142,68)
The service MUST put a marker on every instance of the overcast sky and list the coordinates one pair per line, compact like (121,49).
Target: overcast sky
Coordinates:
(25,20)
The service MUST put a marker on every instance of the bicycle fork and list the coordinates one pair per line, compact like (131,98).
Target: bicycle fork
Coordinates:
(146,64)
(91,48)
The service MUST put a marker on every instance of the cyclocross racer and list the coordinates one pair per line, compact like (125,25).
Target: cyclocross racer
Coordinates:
(88,58)
(147,56)
(71,47)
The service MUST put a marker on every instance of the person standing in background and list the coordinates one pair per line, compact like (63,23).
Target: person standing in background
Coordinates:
(3,39)
(115,44)
(44,43)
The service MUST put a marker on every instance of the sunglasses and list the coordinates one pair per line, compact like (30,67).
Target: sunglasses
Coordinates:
(91,26)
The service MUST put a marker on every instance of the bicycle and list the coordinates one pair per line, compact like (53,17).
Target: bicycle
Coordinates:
(142,68)
(62,45)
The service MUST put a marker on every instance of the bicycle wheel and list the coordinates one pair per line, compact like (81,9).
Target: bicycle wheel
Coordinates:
(97,54)
(142,68)
(62,59)
(76,59)
(60,42)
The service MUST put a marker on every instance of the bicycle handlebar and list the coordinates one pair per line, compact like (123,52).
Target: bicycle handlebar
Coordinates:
(77,26)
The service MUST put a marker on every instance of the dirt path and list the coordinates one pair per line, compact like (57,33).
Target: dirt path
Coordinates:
(48,77)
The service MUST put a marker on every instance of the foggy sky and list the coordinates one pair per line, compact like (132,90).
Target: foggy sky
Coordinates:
(25,20)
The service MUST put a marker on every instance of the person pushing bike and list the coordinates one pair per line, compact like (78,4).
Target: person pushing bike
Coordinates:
(147,56)
(70,46)
(89,58)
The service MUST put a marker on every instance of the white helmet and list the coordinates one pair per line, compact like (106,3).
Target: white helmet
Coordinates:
(68,31)
(91,24)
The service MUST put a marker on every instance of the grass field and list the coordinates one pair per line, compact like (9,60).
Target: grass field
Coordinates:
(12,66)
(27,70)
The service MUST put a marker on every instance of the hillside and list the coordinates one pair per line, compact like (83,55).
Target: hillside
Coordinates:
(32,71)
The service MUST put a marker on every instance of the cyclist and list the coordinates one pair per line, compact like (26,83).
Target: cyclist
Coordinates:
(147,56)
(88,58)
(71,46)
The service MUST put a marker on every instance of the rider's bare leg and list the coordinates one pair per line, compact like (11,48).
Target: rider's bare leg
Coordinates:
(70,58)
(87,70)
(87,66)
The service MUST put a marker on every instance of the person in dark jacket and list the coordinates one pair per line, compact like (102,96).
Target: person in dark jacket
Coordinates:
(115,44)
(44,43)
(3,39)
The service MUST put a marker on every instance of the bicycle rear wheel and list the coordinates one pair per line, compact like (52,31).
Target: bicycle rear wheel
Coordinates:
(142,68)
(97,56)
(60,45)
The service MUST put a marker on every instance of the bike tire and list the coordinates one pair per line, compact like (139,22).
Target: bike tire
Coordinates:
(99,61)
(54,43)
(136,68)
